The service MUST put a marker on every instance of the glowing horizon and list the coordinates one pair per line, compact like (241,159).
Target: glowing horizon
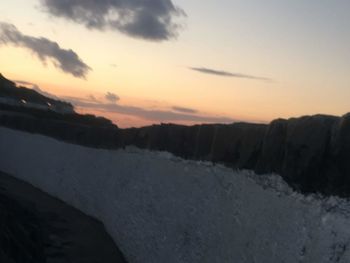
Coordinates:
(241,61)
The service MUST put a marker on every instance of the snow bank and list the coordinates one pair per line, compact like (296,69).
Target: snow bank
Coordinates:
(159,208)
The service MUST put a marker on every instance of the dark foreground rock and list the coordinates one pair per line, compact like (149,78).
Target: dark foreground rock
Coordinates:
(36,228)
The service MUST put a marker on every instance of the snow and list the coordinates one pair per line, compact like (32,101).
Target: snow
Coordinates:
(160,208)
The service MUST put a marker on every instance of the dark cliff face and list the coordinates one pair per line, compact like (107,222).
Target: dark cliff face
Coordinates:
(237,145)
(272,149)
(338,172)
(298,149)
(311,153)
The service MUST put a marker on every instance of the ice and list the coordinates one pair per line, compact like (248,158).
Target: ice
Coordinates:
(159,208)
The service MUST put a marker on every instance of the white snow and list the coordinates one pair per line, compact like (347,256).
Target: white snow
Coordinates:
(159,208)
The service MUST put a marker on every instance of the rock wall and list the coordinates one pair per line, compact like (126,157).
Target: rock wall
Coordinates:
(311,153)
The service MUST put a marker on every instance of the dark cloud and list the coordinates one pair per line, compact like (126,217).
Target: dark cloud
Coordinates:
(227,74)
(147,19)
(46,50)
(184,110)
(111,97)
(153,115)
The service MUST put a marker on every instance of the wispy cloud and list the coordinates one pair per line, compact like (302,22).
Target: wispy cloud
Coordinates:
(46,50)
(151,19)
(92,98)
(147,114)
(184,110)
(227,74)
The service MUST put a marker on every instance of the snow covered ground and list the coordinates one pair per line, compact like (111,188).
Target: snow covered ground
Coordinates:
(159,208)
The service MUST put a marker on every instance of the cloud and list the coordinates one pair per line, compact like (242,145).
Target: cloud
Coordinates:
(46,50)
(111,97)
(183,110)
(227,74)
(92,98)
(146,19)
(152,115)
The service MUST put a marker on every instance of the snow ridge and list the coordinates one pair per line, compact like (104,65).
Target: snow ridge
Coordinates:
(160,208)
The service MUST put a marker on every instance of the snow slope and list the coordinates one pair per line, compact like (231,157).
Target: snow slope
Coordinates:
(159,208)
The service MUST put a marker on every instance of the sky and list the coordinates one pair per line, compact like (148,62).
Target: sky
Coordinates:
(140,62)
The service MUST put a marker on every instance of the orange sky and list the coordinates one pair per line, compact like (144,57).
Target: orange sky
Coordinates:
(306,64)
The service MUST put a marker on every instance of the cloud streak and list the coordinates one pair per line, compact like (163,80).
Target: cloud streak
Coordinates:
(152,115)
(26,83)
(184,110)
(46,50)
(146,19)
(227,74)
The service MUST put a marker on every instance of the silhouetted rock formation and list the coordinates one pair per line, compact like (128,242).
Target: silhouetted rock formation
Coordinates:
(74,128)
(298,149)
(5,83)
(10,94)
(311,153)
(237,145)
(26,109)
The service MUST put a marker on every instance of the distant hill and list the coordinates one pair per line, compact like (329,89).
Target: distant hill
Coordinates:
(21,96)
(26,109)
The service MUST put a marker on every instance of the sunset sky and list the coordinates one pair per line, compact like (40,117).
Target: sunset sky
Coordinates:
(140,62)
